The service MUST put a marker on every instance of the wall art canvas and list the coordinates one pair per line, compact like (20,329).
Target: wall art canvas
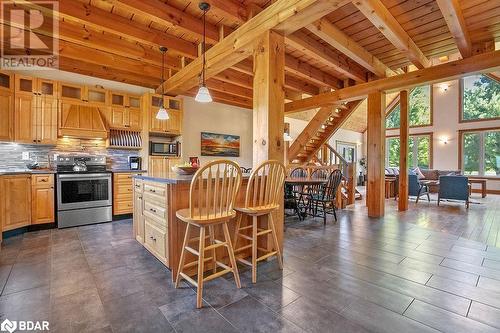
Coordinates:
(213,144)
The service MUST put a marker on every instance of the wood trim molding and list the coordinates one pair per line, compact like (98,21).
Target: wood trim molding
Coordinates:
(460,144)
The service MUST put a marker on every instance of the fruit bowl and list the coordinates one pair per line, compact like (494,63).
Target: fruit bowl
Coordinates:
(184,170)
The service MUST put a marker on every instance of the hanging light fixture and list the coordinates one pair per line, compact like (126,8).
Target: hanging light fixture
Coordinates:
(203,95)
(162,112)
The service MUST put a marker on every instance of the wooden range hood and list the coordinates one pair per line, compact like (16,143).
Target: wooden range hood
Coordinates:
(81,121)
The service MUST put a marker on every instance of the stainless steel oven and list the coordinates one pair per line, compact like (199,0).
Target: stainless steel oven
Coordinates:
(84,190)
(84,196)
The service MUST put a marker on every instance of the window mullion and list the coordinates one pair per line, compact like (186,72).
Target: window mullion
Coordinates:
(481,154)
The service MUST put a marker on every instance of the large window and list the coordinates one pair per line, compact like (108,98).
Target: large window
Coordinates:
(480,98)
(419,151)
(420,112)
(480,153)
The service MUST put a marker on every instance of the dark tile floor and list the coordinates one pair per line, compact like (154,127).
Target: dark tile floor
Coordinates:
(359,275)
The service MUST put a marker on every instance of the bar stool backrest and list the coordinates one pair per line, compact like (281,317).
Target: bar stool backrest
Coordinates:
(213,190)
(265,185)
(298,173)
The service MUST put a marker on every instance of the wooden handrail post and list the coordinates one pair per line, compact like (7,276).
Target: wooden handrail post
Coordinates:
(351,183)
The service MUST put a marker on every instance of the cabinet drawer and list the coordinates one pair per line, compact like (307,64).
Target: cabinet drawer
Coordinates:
(155,239)
(138,185)
(126,178)
(153,189)
(121,189)
(42,180)
(152,210)
(123,207)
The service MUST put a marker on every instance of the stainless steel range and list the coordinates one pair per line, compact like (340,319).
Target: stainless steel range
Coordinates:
(83,190)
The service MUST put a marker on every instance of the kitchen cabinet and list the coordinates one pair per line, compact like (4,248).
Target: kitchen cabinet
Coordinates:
(126,112)
(42,199)
(138,211)
(123,200)
(160,166)
(172,126)
(16,201)
(6,107)
(35,112)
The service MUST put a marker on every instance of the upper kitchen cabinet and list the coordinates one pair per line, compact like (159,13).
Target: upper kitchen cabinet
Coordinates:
(125,111)
(35,110)
(72,92)
(6,107)
(172,126)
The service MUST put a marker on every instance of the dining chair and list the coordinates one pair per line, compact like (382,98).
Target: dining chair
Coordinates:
(262,199)
(325,195)
(212,197)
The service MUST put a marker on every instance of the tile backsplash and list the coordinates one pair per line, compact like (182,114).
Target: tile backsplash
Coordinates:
(11,153)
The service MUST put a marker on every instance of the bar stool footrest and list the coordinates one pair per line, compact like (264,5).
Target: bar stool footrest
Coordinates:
(218,274)
(265,256)
(249,246)
(189,279)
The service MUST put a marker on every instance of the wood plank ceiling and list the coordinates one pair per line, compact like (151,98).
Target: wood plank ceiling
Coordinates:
(119,40)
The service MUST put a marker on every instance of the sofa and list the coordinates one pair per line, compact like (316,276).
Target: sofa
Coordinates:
(429,174)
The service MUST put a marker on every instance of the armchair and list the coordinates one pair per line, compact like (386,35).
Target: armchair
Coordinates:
(417,189)
(454,188)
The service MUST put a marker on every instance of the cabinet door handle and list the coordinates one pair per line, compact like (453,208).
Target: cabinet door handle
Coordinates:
(140,198)
(153,210)
(151,190)
(43,180)
(150,237)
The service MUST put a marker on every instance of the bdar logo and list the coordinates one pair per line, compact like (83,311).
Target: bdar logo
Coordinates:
(9,326)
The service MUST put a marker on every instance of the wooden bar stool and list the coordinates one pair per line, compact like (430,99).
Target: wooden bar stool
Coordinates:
(212,195)
(263,194)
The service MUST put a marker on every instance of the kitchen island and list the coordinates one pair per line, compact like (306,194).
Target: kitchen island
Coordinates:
(156,226)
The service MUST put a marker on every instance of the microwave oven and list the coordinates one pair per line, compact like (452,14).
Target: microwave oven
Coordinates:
(164,148)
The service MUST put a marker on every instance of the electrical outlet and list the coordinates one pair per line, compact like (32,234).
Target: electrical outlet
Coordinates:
(26,155)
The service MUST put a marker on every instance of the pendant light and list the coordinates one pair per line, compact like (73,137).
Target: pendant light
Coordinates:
(203,95)
(162,112)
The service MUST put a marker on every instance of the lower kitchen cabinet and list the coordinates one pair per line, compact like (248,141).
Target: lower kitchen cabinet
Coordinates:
(123,193)
(16,203)
(42,199)
(26,200)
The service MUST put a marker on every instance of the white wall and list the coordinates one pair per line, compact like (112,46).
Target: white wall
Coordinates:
(446,124)
(297,126)
(216,118)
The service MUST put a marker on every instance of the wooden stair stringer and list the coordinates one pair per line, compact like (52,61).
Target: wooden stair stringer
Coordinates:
(351,107)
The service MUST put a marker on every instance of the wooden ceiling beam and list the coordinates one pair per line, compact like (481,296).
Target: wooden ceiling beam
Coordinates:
(300,85)
(244,102)
(486,62)
(112,23)
(316,50)
(382,19)
(113,74)
(310,73)
(454,18)
(231,89)
(231,9)
(345,44)
(169,16)
(239,44)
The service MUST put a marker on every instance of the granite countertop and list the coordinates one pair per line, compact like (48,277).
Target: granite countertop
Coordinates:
(174,178)
(25,171)
(171,178)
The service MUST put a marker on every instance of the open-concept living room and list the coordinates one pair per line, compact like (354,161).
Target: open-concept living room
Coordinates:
(250,166)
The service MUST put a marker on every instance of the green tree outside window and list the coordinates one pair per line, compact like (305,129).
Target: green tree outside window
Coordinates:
(419,112)
(480,98)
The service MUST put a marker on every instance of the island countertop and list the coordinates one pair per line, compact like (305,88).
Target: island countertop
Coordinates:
(174,178)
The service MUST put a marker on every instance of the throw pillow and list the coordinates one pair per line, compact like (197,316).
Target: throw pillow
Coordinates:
(419,173)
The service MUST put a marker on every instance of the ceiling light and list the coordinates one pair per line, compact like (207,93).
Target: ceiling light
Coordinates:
(203,95)
(162,113)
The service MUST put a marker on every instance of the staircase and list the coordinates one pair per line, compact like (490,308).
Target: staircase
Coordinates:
(319,130)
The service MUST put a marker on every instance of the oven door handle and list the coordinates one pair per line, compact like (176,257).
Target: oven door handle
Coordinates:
(87,176)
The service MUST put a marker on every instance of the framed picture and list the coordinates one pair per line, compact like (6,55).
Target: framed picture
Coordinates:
(213,144)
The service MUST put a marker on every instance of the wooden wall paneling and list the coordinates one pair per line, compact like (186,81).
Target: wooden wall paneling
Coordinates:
(403,152)
(375,199)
